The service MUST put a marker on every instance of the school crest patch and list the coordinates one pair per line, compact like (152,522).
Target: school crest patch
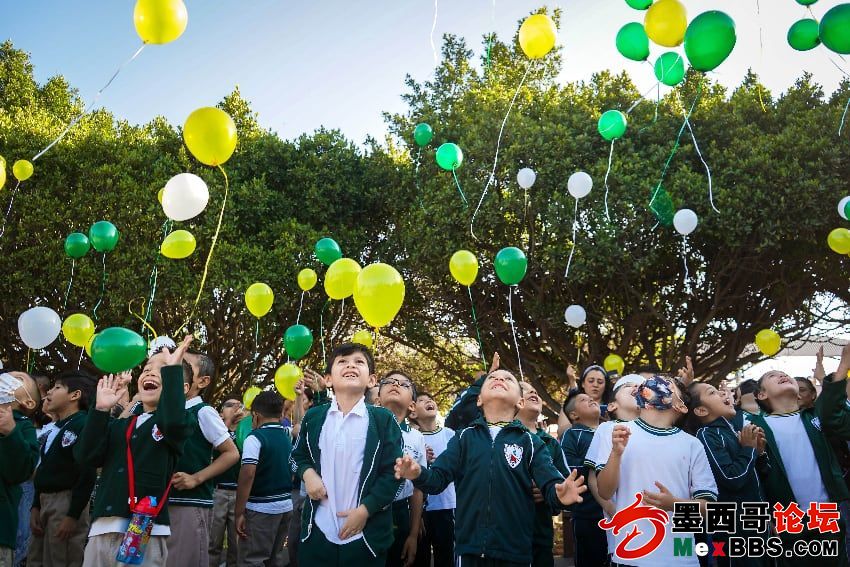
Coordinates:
(513,454)
(156,433)
(68,438)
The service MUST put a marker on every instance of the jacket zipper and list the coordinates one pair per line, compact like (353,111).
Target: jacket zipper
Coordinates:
(489,489)
(310,524)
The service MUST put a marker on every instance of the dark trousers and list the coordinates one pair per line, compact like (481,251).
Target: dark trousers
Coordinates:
(317,550)
(475,561)
(439,535)
(542,556)
(591,544)
(401,530)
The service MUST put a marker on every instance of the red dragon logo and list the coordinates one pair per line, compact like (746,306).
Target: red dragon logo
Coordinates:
(632,513)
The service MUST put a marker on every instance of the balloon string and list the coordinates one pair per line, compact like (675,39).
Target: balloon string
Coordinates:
(433,28)
(339,320)
(90,106)
(459,190)
(761,53)
(80,360)
(145,323)
(210,254)
(607,172)
(102,289)
(685,261)
(477,330)
(498,146)
(643,96)
(657,104)
(70,282)
(9,208)
(322,331)
(376,351)
(152,280)
(30,363)
(573,249)
(675,147)
(702,159)
(416,178)
(300,306)
(256,347)
(513,331)
(843,117)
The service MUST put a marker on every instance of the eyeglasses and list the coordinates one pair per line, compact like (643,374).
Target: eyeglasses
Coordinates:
(396,382)
(231,405)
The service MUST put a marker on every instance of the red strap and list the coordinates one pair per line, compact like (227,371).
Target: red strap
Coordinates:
(131,474)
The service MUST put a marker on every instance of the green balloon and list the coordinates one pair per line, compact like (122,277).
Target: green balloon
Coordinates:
(327,251)
(663,209)
(298,340)
(103,236)
(847,209)
(806,2)
(639,4)
(612,124)
(422,134)
(117,349)
(709,40)
(632,42)
(835,29)
(77,245)
(449,156)
(511,265)
(670,68)
(804,34)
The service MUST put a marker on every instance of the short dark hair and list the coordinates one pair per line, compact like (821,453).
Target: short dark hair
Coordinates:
(346,349)
(685,395)
(206,366)
(230,396)
(268,404)
(188,373)
(808,383)
(421,394)
(647,369)
(79,381)
(405,375)
(570,402)
(749,387)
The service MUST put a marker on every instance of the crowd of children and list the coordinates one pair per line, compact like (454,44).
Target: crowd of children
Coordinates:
(358,470)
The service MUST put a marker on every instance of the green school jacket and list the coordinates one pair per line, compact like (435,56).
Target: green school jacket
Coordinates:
(493,478)
(575,443)
(59,471)
(378,484)
(18,457)
(156,445)
(544,532)
(736,468)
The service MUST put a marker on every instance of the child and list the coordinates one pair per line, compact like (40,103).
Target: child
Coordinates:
(155,442)
(660,463)
(18,452)
(60,511)
(591,547)
(464,411)
(345,456)
(224,497)
(735,457)
(747,404)
(543,537)
(191,502)
(264,496)
(396,392)
(495,463)
(803,467)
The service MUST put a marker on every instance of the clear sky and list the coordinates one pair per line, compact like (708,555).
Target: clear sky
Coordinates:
(340,64)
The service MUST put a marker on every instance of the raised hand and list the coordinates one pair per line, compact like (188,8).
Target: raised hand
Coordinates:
(572,377)
(495,364)
(570,491)
(620,438)
(748,436)
(313,380)
(175,357)
(406,467)
(818,372)
(110,390)
(686,373)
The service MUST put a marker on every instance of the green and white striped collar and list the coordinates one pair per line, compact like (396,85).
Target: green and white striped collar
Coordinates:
(655,430)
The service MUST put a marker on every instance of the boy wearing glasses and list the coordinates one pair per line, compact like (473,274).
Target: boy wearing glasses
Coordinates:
(224,496)
(397,393)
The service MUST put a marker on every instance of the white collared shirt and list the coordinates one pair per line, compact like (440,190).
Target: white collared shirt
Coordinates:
(210,422)
(342,443)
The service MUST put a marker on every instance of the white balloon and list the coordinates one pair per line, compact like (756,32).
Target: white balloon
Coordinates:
(685,221)
(526,177)
(39,327)
(575,316)
(841,204)
(185,196)
(579,184)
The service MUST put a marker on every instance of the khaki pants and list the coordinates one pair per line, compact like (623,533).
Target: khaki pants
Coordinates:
(189,542)
(266,534)
(101,551)
(223,521)
(50,551)
(7,556)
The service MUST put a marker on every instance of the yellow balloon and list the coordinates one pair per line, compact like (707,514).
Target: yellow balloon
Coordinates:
(160,21)
(249,395)
(2,172)
(159,195)
(78,329)
(839,240)
(537,35)
(178,245)
(614,362)
(379,294)
(89,343)
(22,170)
(666,22)
(340,278)
(285,379)
(363,337)
(259,299)
(210,134)
(307,279)
(464,267)
(768,342)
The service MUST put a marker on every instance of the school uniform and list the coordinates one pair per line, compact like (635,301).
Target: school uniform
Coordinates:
(439,515)
(494,468)
(269,506)
(156,442)
(543,537)
(414,445)
(803,467)
(591,546)
(465,409)
(18,458)
(355,456)
(223,524)
(190,511)
(63,489)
